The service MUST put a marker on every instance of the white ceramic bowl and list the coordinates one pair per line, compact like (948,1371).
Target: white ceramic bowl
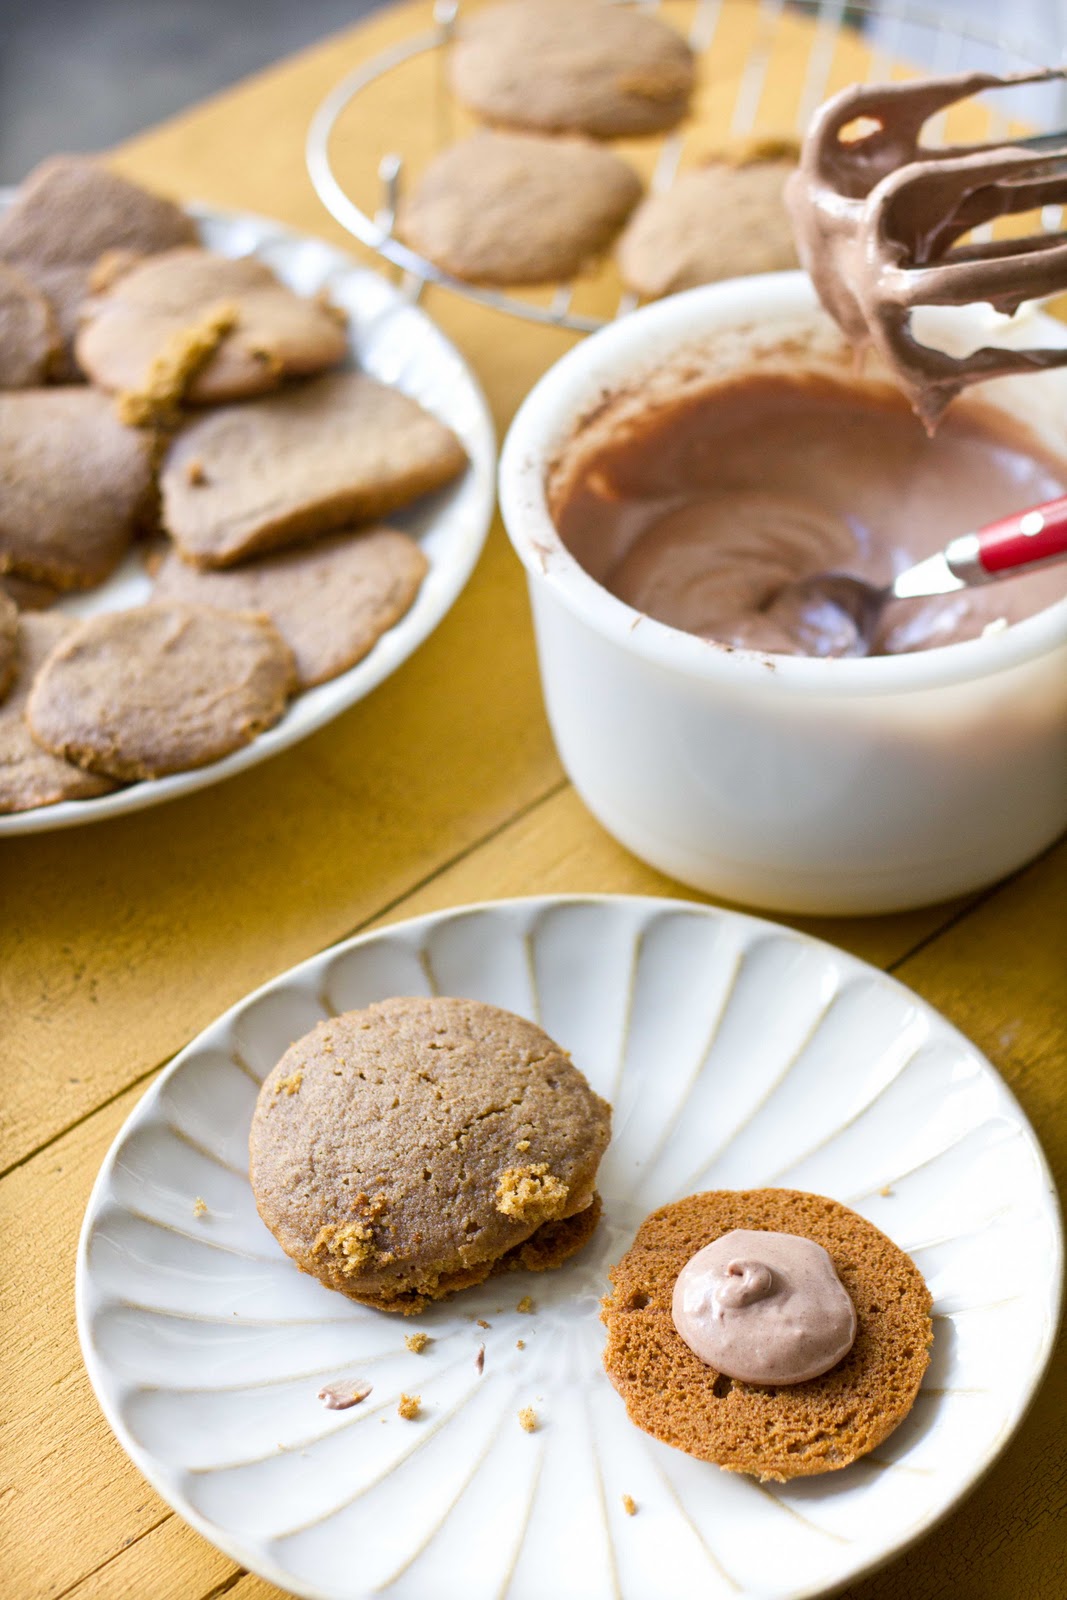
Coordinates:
(793,783)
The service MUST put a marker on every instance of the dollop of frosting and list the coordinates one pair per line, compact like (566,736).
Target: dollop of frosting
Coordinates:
(764,1307)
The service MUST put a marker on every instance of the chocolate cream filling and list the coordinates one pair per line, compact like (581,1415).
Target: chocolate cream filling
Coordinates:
(702,514)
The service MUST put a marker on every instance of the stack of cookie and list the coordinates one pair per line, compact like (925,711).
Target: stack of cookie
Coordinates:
(535,196)
(150,386)
(409,1151)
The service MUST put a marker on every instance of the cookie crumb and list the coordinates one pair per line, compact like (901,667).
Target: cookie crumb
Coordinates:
(409,1406)
(194,473)
(172,371)
(482,1323)
(525,1305)
(416,1342)
(339,1396)
(629,1505)
(530,1193)
(520,1344)
(354,1245)
(885,1191)
(479,1360)
(199,1207)
(523,1145)
(528,1419)
(291,1084)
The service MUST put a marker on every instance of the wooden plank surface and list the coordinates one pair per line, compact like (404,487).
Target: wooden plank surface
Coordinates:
(120,942)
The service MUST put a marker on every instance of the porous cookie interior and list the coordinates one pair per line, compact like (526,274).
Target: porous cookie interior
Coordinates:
(788,1431)
(408,1150)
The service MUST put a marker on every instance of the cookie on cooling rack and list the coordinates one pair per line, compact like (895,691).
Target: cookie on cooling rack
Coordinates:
(723,220)
(29,332)
(74,485)
(316,457)
(414,1148)
(191,326)
(772,1430)
(572,66)
(331,601)
(29,775)
(512,208)
(160,688)
(66,214)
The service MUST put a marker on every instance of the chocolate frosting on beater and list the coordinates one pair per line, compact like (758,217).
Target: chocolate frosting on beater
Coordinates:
(877,219)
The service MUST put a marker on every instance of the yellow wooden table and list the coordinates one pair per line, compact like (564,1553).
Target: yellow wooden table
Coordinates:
(120,942)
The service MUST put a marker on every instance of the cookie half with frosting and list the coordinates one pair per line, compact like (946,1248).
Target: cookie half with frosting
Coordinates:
(825,1331)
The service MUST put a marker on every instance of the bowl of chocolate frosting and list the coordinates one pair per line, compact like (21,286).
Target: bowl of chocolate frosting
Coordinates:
(665,484)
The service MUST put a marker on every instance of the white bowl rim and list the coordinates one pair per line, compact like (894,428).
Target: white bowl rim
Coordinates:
(643,341)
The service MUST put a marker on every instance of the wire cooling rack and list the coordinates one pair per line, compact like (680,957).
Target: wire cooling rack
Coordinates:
(818,31)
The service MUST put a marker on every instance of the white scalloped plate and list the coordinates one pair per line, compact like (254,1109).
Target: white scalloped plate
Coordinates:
(398,344)
(736,1053)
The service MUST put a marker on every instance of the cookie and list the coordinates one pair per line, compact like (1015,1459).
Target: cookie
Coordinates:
(331,601)
(413,1148)
(568,67)
(723,220)
(28,595)
(788,1431)
(66,214)
(320,455)
(159,688)
(29,333)
(30,776)
(517,208)
(74,485)
(9,628)
(144,333)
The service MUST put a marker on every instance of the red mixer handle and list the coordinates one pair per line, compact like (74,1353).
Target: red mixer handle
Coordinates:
(1026,539)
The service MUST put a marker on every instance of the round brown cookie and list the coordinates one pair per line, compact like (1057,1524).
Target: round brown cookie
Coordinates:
(29,333)
(74,485)
(725,220)
(563,66)
(792,1430)
(30,776)
(331,601)
(516,208)
(411,1149)
(133,336)
(159,688)
(317,457)
(9,629)
(66,214)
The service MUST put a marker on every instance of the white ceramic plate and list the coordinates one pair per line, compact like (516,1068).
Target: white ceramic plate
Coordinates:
(398,344)
(736,1053)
